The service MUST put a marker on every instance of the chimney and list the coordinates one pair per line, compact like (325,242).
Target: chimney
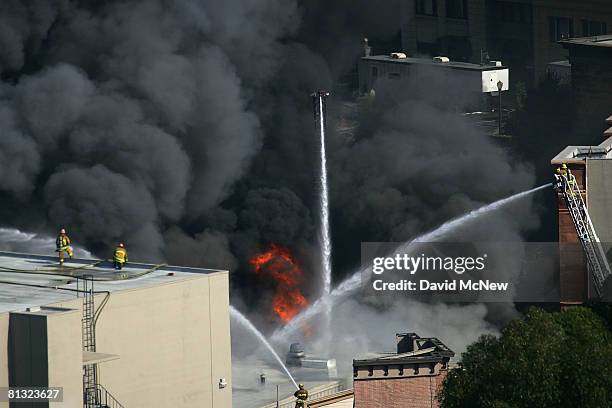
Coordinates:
(367,50)
(406,342)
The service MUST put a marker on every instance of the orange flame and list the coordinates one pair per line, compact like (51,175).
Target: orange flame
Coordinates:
(278,263)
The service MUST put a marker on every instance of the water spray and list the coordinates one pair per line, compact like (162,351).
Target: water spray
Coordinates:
(240,318)
(319,103)
(15,240)
(351,284)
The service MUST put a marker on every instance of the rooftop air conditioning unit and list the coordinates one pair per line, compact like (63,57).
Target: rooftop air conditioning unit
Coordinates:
(496,63)
(441,59)
(398,55)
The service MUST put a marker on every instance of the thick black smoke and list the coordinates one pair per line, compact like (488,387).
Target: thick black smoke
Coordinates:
(128,118)
(185,129)
(416,162)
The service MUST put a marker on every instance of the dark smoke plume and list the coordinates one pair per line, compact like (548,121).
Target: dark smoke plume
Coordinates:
(185,129)
(127,117)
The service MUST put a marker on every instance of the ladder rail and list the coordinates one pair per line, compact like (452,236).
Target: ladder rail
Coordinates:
(94,394)
(596,258)
(90,398)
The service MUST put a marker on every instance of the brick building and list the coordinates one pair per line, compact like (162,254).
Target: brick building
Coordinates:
(592,167)
(522,33)
(454,28)
(555,20)
(409,378)
(591,78)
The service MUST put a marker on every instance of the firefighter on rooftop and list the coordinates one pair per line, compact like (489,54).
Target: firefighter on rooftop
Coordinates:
(302,395)
(62,244)
(120,257)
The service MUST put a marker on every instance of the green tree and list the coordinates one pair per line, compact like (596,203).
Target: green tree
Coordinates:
(561,359)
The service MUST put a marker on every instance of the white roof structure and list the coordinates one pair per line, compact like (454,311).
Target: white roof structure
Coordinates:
(31,281)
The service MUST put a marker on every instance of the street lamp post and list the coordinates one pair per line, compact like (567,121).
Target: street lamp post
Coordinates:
(500,85)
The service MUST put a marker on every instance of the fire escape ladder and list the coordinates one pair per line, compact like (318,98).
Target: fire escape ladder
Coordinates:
(89,343)
(94,395)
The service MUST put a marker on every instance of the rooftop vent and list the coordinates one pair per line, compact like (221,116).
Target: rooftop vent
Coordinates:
(496,63)
(441,59)
(590,151)
(398,55)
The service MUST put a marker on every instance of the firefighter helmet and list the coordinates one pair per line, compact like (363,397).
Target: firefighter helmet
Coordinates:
(63,231)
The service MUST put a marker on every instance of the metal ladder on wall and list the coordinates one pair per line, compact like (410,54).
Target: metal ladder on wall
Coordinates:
(94,395)
(597,262)
(89,342)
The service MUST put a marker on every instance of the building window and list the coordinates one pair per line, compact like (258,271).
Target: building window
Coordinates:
(456,9)
(593,28)
(429,49)
(394,75)
(560,28)
(514,12)
(426,7)
(374,72)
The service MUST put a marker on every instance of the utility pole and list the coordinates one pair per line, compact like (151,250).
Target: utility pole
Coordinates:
(500,85)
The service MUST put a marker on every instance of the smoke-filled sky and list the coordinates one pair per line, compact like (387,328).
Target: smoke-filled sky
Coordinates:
(184,128)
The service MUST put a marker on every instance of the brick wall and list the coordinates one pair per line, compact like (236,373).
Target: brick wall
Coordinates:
(412,392)
(573,278)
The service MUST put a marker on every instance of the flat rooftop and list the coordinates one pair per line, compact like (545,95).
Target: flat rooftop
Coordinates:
(604,41)
(578,154)
(430,62)
(28,281)
(247,392)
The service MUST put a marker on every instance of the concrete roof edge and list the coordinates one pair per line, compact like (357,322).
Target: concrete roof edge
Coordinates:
(568,155)
(136,265)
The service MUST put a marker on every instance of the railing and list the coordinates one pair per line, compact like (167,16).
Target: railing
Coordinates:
(99,397)
(106,399)
(89,342)
(315,393)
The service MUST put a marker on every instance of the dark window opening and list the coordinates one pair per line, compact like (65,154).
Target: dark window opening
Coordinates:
(457,48)
(426,7)
(394,75)
(513,12)
(374,72)
(456,9)
(560,28)
(428,49)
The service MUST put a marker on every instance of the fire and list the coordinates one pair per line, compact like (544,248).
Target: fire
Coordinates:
(278,263)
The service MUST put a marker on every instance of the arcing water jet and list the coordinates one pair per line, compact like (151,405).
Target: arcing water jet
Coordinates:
(240,318)
(352,283)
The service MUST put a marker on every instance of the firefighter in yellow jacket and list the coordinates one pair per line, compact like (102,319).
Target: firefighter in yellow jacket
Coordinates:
(62,244)
(301,396)
(120,256)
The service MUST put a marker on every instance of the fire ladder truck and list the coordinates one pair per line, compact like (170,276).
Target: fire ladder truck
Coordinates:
(597,262)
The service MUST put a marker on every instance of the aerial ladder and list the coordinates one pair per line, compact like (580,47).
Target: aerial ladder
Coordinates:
(597,262)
